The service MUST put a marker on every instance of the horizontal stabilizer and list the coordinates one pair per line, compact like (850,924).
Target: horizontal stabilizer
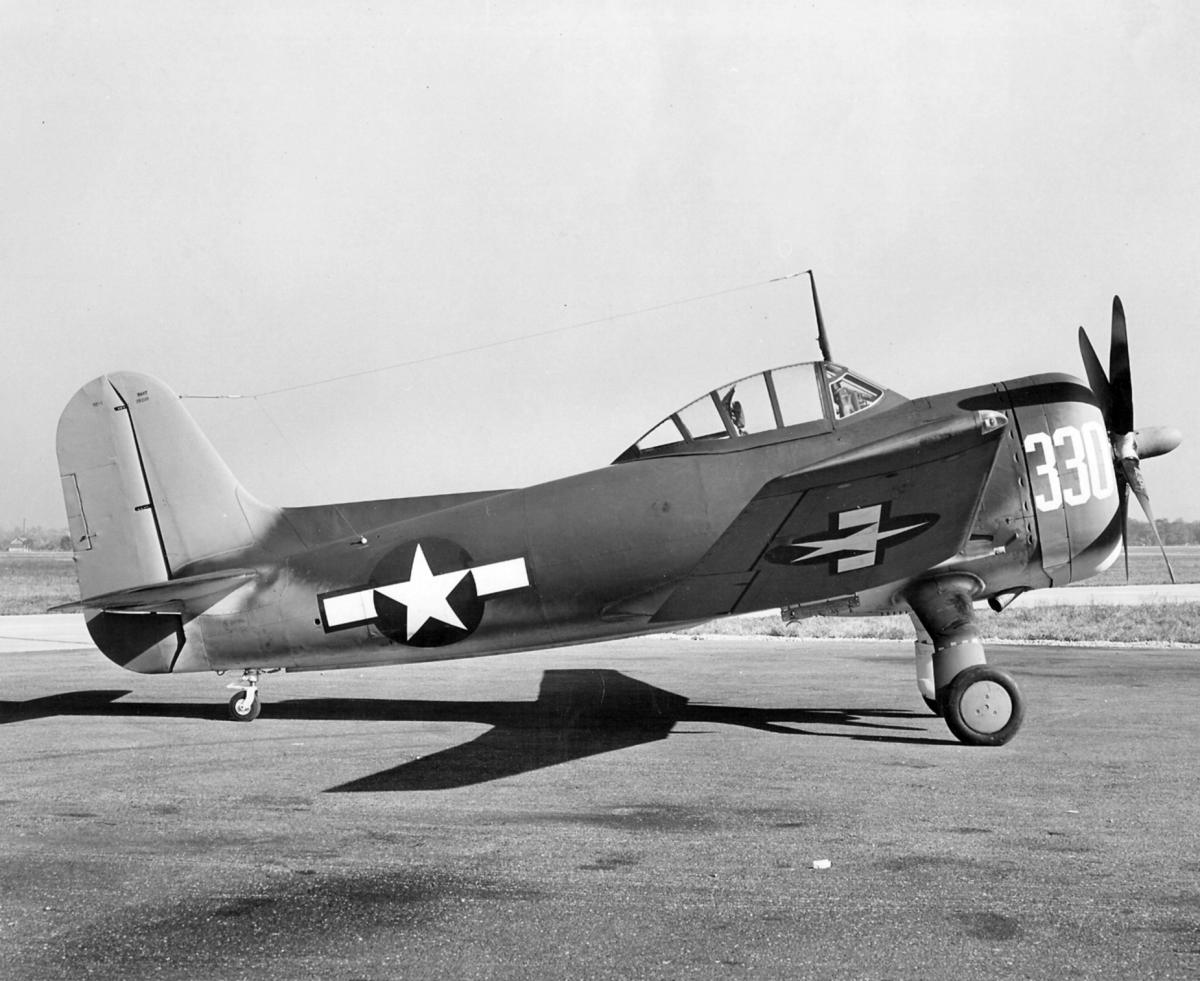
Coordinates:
(191,595)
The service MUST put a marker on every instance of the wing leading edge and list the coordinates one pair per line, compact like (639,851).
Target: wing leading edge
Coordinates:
(878,513)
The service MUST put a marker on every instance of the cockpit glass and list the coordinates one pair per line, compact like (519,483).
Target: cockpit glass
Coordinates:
(748,406)
(848,393)
(664,434)
(702,420)
(775,399)
(797,393)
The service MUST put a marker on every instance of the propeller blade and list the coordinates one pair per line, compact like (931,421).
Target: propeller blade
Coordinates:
(1118,373)
(1123,512)
(1133,474)
(1097,380)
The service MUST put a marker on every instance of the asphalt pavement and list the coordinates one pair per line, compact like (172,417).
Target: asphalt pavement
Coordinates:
(642,809)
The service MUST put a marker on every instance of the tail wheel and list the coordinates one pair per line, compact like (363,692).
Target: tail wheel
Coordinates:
(983,706)
(244,706)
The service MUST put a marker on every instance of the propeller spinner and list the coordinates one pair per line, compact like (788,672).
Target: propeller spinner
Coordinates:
(1114,393)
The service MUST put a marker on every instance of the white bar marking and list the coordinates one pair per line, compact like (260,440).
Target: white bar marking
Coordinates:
(349,607)
(499,577)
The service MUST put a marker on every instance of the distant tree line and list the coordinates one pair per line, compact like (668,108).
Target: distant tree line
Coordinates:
(1172,531)
(35,538)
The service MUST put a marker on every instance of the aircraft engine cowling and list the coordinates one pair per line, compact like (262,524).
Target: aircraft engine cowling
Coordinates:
(1073,483)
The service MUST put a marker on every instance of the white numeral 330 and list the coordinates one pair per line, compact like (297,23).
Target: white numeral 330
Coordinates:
(1076,464)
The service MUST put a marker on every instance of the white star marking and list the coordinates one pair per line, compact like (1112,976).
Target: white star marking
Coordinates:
(425,595)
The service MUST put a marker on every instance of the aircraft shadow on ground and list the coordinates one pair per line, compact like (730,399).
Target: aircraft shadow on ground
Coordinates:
(578,713)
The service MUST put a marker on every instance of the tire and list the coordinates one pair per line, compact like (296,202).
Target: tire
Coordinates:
(932,705)
(240,711)
(983,706)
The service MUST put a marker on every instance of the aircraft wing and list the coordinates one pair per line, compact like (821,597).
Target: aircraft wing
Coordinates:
(878,513)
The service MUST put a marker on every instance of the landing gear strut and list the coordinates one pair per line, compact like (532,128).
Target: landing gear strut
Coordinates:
(982,705)
(245,705)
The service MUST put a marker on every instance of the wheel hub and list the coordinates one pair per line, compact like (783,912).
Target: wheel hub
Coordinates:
(986,706)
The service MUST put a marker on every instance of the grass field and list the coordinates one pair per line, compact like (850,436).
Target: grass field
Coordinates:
(32,582)
(1146,567)
(1161,623)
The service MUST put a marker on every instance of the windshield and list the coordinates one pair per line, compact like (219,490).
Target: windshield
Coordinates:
(849,394)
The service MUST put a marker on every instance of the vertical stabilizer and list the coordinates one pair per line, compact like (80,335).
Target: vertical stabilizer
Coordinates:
(148,498)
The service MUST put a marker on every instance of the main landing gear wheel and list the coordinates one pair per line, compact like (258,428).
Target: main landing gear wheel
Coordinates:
(244,706)
(983,706)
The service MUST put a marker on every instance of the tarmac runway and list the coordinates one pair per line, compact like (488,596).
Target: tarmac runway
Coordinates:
(644,809)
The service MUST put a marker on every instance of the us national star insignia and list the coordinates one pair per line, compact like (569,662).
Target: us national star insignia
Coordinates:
(424,594)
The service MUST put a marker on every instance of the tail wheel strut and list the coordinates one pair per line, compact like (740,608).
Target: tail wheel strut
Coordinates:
(245,706)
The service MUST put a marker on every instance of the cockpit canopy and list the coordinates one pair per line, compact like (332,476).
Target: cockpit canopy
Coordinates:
(820,394)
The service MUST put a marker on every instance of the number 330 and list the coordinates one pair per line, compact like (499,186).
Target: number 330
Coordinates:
(1086,466)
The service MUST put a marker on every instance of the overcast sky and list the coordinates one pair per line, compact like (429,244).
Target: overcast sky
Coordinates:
(244,197)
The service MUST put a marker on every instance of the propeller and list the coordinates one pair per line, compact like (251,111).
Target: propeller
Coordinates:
(1114,394)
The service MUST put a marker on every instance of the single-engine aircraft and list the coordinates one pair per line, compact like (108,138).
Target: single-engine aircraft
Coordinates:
(807,488)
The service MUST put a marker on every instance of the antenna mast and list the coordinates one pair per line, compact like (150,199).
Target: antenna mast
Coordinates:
(822,338)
